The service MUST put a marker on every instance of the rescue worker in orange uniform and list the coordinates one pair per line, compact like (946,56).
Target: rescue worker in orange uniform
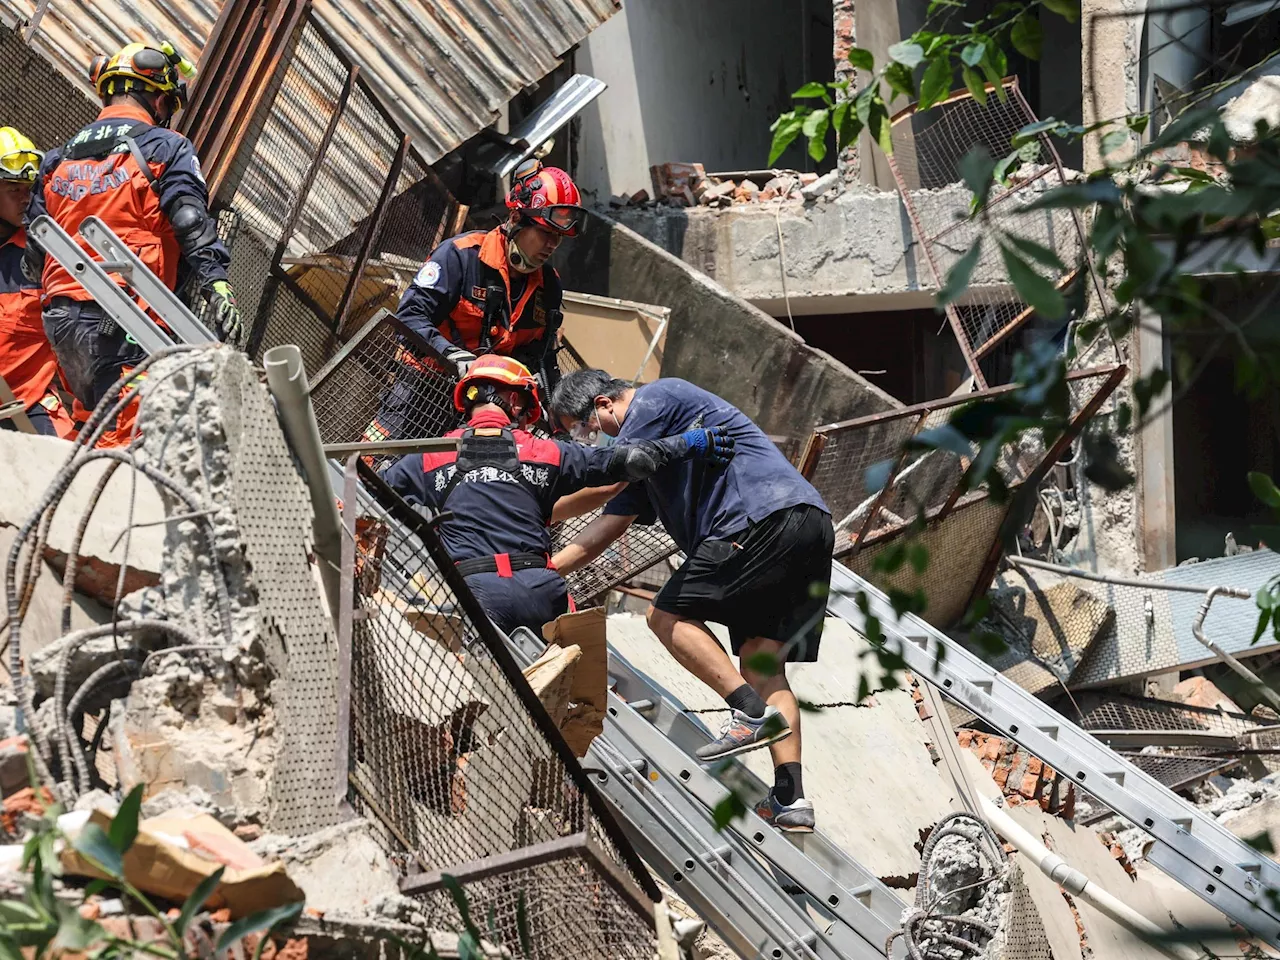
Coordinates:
(27,362)
(481,293)
(144,181)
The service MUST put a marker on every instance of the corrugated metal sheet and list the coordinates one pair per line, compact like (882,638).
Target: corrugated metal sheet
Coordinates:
(446,68)
(72,32)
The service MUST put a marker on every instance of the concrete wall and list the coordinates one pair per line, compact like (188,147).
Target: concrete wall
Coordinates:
(698,82)
(1111,32)
(717,340)
(850,254)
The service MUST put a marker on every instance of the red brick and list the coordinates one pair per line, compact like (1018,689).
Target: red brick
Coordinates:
(1030,785)
(1001,776)
(964,737)
(992,749)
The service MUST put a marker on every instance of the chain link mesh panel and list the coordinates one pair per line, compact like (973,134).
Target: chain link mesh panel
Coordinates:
(328,236)
(461,767)
(869,505)
(1114,711)
(928,148)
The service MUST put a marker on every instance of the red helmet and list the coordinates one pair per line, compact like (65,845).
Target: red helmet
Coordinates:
(547,197)
(502,372)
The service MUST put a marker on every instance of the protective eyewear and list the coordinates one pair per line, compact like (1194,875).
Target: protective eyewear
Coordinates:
(20,165)
(560,217)
(583,432)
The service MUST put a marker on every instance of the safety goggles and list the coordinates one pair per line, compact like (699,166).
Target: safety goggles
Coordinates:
(20,165)
(583,431)
(563,218)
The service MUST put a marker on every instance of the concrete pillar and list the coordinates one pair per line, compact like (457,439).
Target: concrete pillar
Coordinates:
(845,40)
(1111,44)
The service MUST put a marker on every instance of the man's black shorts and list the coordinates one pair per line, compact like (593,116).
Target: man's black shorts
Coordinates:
(771,581)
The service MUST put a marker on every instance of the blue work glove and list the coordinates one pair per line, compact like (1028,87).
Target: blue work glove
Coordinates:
(714,445)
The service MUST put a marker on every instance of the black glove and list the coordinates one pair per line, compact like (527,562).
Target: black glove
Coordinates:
(462,359)
(226,314)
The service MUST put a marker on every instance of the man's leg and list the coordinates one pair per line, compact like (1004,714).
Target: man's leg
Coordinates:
(776,692)
(753,721)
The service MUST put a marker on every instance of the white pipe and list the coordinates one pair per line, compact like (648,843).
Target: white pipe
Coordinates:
(1197,631)
(1078,885)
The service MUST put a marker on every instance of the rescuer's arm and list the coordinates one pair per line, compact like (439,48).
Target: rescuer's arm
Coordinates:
(584,501)
(591,542)
(429,298)
(184,198)
(633,460)
(406,477)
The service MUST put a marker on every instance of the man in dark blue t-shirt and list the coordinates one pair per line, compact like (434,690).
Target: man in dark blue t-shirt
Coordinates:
(758,542)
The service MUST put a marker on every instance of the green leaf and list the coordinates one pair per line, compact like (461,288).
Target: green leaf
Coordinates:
(1068,9)
(1138,124)
(763,663)
(907,53)
(973,83)
(976,168)
(1029,152)
(1040,254)
(202,892)
(942,437)
(1078,195)
(1219,145)
(936,83)
(262,922)
(994,65)
(810,90)
(789,127)
(1264,489)
(918,556)
(1038,292)
(971,56)
(728,810)
(1027,36)
(900,80)
(1032,131)
(880,127)
(1264,618)
(815,128)
(958,276)
(9,949)
(124,825)
(1113,141)
(75,933)
(95,846)
(1005,167)
(862,59)
(522,925)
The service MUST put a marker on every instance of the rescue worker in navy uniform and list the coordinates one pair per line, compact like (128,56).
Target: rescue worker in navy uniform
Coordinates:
(489,292)
(758,541)
(500,486)
(144,182)
(27,362)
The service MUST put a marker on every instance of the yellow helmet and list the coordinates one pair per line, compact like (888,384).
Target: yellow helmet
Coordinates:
(138,66)
(19,158)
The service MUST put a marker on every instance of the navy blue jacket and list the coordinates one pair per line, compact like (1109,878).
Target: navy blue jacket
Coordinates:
(494,512)
(696,501)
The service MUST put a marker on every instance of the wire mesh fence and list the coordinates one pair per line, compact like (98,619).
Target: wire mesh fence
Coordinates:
(461,766)
(1113,711)
(337,211)
(876,487)
(928,148)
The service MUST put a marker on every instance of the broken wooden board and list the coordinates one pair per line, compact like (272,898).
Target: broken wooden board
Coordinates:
(589,692)
(551,677)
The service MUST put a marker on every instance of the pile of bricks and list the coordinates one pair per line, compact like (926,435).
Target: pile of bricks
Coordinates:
(689,185)
(1022,777)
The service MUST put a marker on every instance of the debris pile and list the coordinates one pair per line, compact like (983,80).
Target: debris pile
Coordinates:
(689,185)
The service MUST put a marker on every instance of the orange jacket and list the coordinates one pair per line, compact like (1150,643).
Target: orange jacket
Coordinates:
(27,361)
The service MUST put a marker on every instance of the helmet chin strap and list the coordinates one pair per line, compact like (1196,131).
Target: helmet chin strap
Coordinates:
(518,261)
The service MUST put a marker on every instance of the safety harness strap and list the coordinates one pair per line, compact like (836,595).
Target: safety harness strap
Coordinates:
(104,147)
(484,447)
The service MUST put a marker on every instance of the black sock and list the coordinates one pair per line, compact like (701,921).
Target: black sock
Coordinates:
(787,784)
(747,700)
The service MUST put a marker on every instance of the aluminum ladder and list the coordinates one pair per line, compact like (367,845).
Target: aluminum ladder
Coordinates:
(1190,846)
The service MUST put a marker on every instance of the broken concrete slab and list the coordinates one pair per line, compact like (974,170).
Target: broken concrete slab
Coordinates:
(43,621)
(341,869)
(29,463)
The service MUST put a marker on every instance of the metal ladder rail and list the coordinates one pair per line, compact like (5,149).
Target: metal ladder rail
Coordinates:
(91,275)
(687,734)
(716,871)
(1191,847)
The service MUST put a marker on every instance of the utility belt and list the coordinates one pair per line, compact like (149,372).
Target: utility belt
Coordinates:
(504,564)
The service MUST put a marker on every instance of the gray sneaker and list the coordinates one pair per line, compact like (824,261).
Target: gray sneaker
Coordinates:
(794,817)
(742,733)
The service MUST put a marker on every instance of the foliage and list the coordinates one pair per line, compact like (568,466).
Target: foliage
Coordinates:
(49,926)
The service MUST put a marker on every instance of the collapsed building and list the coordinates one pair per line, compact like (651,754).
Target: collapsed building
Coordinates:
(341,145)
